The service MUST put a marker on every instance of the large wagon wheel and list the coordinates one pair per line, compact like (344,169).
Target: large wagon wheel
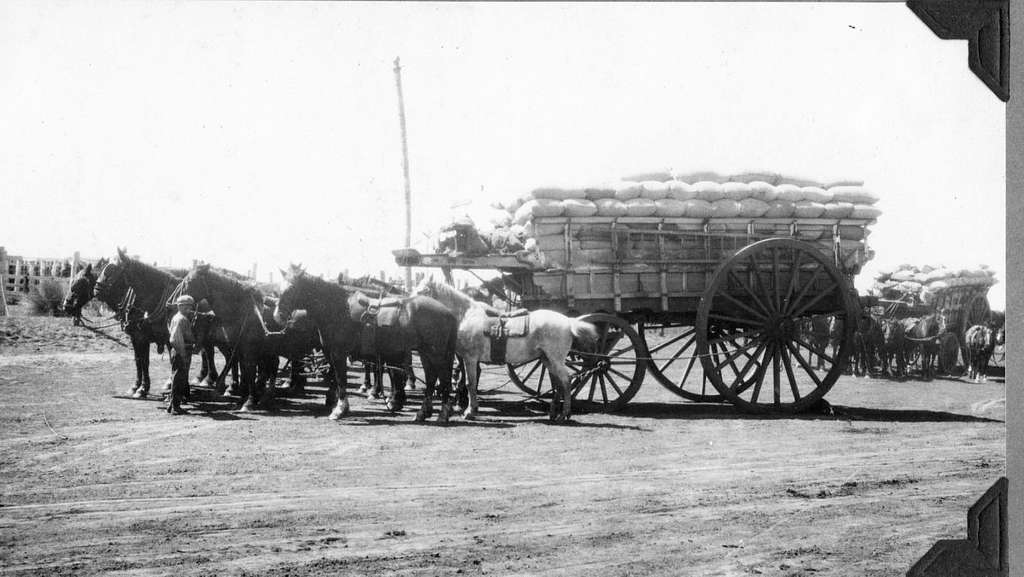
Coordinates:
(749,326)
(674,363)
(604,376)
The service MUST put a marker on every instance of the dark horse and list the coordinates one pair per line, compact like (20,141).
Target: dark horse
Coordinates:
(923,334)
(423,325)
(867,342)
(132,290)
(373,369)
(138,292)
(892,348)
(80,292)
(239,310)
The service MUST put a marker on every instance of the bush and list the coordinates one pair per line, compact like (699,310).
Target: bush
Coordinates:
(46,298)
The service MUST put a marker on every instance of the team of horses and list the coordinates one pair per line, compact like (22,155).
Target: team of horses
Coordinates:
(253,331)
(886,346)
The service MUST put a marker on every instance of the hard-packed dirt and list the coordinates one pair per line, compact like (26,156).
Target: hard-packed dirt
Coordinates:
(95,483)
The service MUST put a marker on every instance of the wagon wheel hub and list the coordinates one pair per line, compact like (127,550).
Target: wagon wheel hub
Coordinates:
(780,328)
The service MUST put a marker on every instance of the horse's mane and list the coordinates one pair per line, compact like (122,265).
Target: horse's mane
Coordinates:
(463,301)
(152,271)
(242,285)
(337,289)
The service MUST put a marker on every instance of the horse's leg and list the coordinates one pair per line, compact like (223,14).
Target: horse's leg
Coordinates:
(339,367)
(296,380)
(560,385)
(140,349)
(410,376)
(396,397)
(367,379)
(430,379)
(247,362)
(471,372)
(211,375)
(269,363)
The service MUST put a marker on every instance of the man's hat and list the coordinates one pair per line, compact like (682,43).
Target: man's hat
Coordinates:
(185,300)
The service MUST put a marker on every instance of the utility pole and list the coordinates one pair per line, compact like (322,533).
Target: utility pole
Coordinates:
(405,171)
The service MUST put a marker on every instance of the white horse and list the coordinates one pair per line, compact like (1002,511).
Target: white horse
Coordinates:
(549,337)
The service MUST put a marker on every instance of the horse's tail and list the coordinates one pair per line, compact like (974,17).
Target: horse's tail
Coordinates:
(582,332)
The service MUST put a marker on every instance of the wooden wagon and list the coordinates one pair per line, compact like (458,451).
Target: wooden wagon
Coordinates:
(964,306)
(711,308)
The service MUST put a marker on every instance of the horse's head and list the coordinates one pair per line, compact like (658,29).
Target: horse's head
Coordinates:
(196,284)
(476,294)
(295,284)
(113,279)
(1000,338)
(80,292)
(426,287)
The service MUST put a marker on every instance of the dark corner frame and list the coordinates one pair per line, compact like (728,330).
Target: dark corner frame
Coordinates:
(984,24)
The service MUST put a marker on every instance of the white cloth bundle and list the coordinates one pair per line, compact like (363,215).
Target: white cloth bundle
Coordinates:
(790,192)
(736,190)
(816,194)
(853,194)
(679,190)
(670,207)
(653,190)
(578,207)
(627,190)
(610,207)
(725,208)
(537,207)
(640,207)
(697,208)
(837,210)
(780,208)
(808,209)
(753,207)
(763,191)
(708,190)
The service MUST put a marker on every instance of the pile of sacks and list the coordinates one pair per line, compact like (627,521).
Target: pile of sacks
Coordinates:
(912,284)
(700,195)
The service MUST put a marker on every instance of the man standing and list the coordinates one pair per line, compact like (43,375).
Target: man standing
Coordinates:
(181,341)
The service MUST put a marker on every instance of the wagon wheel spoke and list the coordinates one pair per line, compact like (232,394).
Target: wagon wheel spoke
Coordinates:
(761,289)
(803,291)
(750,291)
(751,361)
(613,383)
(740,350)
(803,363)
(817,298)
(676,355)
(789,374)
(814,350)
(757,315)
(758,378)
(675,339)
(734,337)
(776,380)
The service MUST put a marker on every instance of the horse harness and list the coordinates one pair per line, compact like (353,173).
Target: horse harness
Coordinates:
(512,324)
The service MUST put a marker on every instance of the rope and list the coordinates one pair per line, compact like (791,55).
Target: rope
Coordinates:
(106,336)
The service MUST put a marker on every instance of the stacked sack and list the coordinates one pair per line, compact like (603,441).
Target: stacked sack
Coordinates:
(910,283)
(701,195)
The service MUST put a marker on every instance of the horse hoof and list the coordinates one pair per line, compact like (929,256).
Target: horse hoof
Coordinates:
(422,415)
(443,415)
(138,394)
(469,415)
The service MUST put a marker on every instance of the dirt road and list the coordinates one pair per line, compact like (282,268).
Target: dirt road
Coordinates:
(94,483)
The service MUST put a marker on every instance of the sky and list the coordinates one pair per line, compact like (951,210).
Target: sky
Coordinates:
(267,133)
